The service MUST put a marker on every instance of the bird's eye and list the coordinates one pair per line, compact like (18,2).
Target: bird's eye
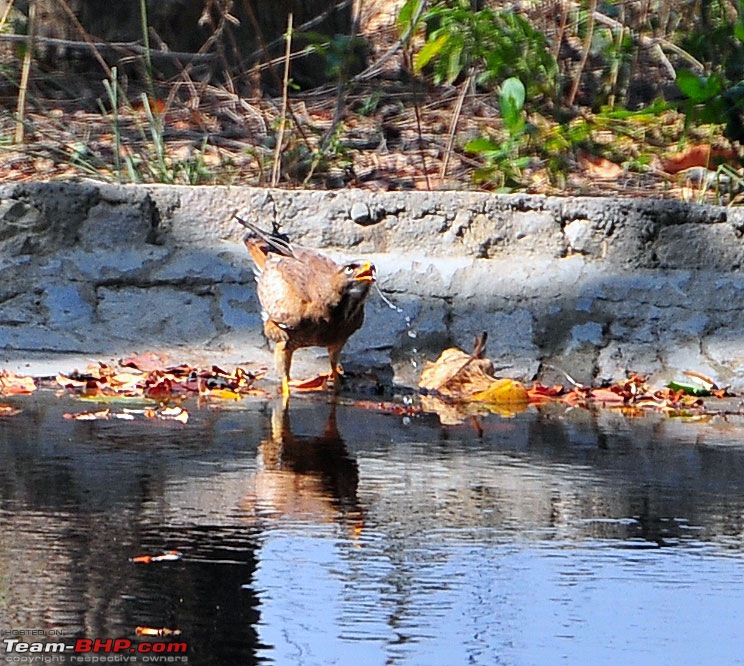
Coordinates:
(349,269)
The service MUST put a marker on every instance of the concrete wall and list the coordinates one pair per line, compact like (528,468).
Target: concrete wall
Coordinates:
(595,286)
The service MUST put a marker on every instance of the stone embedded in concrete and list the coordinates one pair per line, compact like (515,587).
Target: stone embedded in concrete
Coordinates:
(239,307)
(127,265)
(115,225)
(21,309)
(714,247)
(205,266)
(360,213)
(643,288)
(589,334)
(155,316)
(507,330)
(683,356)
(35,338)
(688,325)
(617,358)
(582,237)
(725,347)
(18,224)
(70,305)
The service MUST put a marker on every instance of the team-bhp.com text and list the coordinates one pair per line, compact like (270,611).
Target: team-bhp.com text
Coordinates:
(85,650)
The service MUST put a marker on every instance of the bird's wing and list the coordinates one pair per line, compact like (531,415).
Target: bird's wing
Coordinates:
(293,290)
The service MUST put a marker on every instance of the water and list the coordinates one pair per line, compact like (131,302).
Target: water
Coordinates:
(547,538)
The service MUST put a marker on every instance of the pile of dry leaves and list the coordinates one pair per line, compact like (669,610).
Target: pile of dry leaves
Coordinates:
(147,378)
(457,383)
(454,387)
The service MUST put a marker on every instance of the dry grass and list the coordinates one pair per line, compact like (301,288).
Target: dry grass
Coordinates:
(395,132)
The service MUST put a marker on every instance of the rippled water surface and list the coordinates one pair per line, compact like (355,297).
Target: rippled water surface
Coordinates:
(347,536)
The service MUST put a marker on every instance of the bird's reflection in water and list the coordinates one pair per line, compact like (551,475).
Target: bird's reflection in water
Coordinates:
(306,478)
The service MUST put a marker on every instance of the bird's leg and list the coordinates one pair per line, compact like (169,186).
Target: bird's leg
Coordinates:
(334,352)
(283,361)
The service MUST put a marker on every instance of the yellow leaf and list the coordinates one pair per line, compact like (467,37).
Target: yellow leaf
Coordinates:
(428,51)
(222,394)
(504,392)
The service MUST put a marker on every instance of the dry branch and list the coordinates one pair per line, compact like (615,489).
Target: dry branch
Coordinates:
(132,47)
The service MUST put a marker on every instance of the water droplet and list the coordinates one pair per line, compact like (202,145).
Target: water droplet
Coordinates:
(406,420)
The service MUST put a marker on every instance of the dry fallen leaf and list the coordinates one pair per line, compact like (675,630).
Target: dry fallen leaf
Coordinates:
(100,415)
(318,383)
(158,382)
(599,167)
(167,556)
(13,384)
(457,375)
(146,362)
(152,631)
(164,413)
(172,414)
(702,155)
(504,392)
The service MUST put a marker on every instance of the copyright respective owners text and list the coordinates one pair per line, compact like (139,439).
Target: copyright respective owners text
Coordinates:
(57,646)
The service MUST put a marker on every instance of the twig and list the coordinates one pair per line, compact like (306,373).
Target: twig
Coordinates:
(146,42)
(615,65)
(185,74)
(656,44)
(25,72)
(96,47)
(343,80)
(584,54)
(453,126)
(265,48)
(6,13)
(276,167)
(405,41)
(422,154)
(84,34)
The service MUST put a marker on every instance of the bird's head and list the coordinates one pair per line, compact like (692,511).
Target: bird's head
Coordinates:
(358,277)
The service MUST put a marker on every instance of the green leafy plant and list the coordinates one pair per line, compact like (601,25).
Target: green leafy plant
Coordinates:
(493,45)
(704,96)
(712,100)
(153,165)
(503,161)
(716,97)
(342,54)
(717,37)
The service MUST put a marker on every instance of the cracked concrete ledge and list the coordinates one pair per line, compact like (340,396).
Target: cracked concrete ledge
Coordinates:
(593,286)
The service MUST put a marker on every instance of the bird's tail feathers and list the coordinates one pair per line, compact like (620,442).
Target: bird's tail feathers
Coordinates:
(273,242)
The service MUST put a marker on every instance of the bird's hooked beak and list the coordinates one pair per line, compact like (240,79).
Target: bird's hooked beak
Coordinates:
(366,272)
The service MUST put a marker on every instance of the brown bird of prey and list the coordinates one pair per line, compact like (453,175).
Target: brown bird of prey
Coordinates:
(307,299)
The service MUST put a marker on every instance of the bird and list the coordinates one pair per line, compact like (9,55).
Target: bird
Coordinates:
(307,299)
